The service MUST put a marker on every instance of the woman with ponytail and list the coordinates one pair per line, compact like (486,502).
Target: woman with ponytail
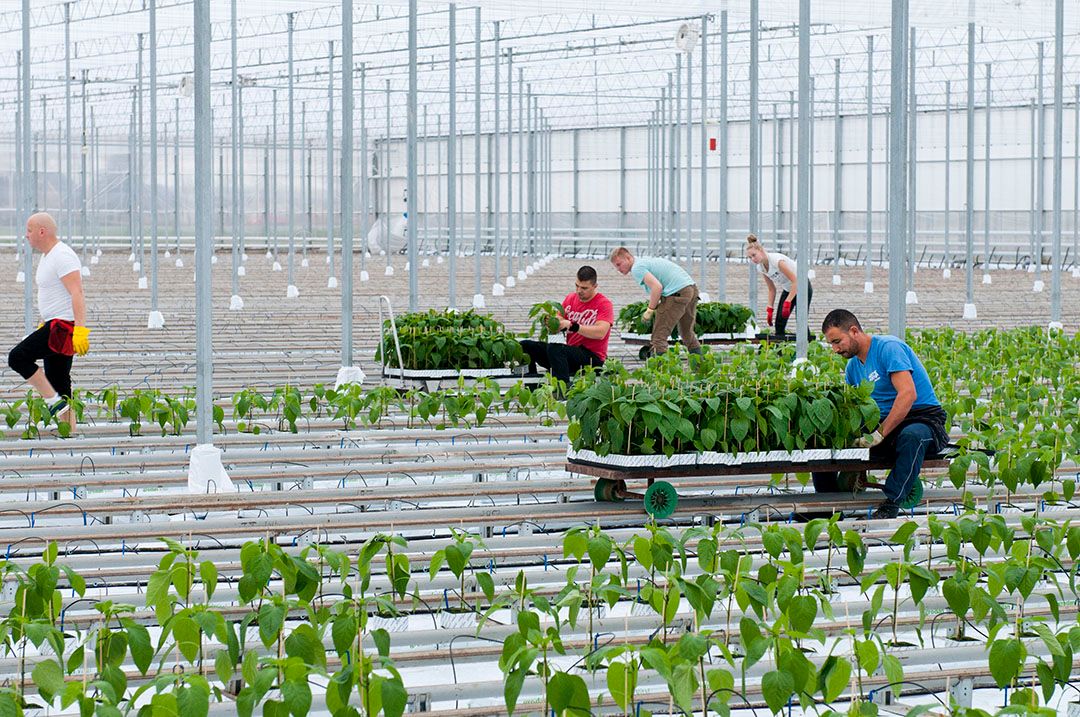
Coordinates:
(778,271)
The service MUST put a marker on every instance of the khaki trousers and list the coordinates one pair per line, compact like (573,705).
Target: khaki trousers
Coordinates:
(679,309)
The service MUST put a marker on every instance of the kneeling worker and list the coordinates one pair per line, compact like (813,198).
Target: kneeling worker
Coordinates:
(673,297)
(913,423)
(587,319)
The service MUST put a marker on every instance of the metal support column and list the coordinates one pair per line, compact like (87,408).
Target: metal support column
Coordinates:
(802,259)
(451,164)
(755,146)
(986,184)
(704,111)
(868,282)
(69,219)
(897,179)
(1040,168)
(947,261)
(722,146)
(26,177)
(1055,267)
(969,196)
(410,156)
(476,155)
(291,291)
(838,146)
(331,281)
(347,182)
(235,302)
(204,199)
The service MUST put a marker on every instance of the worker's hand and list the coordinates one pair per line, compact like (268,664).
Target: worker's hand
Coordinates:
(768,315)
(647,316)
(869,440)
(564,323)
(80,340)
(786,310)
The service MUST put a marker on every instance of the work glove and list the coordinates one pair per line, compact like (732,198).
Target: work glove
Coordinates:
(647,316)
(786,310)
(80,340)
(869,440)
(768,315)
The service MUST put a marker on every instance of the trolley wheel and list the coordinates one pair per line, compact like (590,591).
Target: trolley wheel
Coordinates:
(609,491)
(644,352)
(913,498)
(661,499)
(852,481)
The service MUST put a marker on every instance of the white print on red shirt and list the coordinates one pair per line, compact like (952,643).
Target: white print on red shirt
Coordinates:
(586,317)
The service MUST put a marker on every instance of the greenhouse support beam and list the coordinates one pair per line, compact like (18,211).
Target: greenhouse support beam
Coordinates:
(451,164)
(703,217)
(235,89)
(897,185)
(948,172)
(410,158)
(722,146)
(755,140)
(969,179)
(802,260)
(347,119)
(1059,51)
(477,228)
(838,138)
(204,200)
(868,282)
(290,291)
(1040,166)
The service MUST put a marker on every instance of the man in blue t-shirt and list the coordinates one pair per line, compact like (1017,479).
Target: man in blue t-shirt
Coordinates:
(913,422)
(673,297)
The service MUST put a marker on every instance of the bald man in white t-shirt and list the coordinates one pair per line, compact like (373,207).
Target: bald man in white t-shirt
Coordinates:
(63,332)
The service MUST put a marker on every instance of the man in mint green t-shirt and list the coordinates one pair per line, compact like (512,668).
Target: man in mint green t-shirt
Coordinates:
(673,297)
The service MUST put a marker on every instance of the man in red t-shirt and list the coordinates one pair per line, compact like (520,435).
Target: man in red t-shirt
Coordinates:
(587,319)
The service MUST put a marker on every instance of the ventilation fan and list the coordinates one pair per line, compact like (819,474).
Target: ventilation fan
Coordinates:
(686,38)
(186,88)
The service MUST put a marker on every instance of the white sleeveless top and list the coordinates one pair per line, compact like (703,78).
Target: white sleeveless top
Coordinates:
(773,272)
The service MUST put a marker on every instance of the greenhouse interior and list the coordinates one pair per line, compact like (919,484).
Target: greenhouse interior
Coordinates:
(320,308)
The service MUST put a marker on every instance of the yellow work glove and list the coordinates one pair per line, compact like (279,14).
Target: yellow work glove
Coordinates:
(647,316)
(869,440)
(80,340)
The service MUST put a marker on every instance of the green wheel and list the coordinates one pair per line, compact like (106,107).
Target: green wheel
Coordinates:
(661,499)
(609,491)
(913,498)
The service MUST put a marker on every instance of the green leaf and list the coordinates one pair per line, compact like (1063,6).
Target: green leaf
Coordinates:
(188,639)
(394,697)
(48,677)
(224,666)
(343,630)
(271,618)
(837,674)
(777,688)
(1006,657)
(904,532)
(142,650)
(622,682)
(958,595)
(382,641)
(297,697)
(568,694)
(801,613)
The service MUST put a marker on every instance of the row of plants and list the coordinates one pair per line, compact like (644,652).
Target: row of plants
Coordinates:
(1016,392)
(713,317)
(448,340)
(287,408)
(758,595)
(679,404)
